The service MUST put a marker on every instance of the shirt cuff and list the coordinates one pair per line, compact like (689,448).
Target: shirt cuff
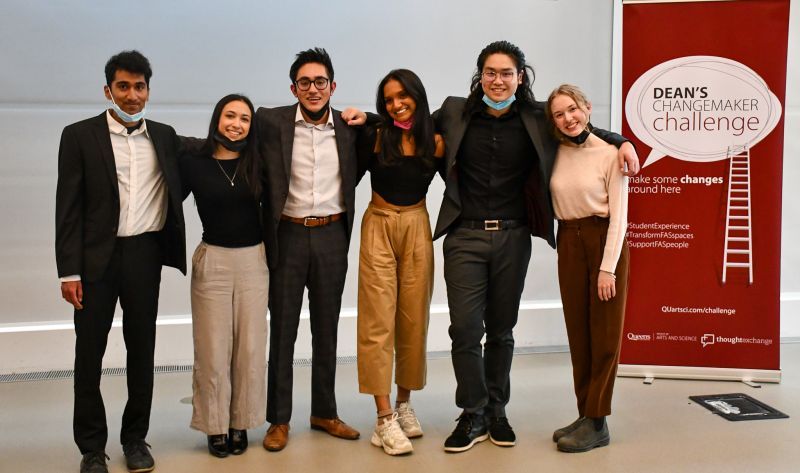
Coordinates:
(70,278)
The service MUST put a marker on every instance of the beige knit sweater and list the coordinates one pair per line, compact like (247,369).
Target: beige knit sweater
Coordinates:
(587,181)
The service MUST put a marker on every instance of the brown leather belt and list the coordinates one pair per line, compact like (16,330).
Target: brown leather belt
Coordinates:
(313,221)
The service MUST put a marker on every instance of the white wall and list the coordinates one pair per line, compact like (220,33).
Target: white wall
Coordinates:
(53,52)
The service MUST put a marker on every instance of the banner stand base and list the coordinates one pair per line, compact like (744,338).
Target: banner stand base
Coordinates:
(700,373)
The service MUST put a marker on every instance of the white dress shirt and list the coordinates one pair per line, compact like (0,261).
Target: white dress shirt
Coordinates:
(315,186)
(142,190)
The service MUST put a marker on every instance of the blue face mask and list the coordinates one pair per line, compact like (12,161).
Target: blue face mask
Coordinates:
(499,105)
(127,118)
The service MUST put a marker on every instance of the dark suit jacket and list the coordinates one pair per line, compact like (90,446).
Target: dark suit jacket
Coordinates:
(276,134)
(87,198)
(452,124)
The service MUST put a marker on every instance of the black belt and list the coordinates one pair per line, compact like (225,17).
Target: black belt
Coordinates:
(492,225)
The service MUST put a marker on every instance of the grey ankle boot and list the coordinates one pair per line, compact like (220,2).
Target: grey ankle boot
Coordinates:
(585,437)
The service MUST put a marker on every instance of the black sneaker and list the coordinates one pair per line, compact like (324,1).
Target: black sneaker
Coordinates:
(94,462)
(470,430)
(137,456)
(501,433)
(237,441)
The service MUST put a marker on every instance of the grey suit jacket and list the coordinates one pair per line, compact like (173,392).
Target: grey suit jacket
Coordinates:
(276,133)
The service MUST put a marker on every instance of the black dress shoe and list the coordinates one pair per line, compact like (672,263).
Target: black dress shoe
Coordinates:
(218,445)
(137,456)
(94,462)
(237,441)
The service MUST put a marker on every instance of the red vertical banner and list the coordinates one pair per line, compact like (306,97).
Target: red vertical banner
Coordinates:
(703,89)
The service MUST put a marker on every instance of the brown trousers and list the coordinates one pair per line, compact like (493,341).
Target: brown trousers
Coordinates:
(594,327)
(229,325)
(395,283)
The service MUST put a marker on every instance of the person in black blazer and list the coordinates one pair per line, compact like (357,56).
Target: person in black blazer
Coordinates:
(310,159)
(119,218)
(499,156)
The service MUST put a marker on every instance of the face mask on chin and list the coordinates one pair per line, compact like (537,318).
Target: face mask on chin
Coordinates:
(579,139)
(499,105)
(230,145)
(315,116)
(126,117)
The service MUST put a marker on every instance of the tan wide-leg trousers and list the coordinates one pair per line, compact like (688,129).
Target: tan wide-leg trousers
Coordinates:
(395,283)
(229,324)
(594,327)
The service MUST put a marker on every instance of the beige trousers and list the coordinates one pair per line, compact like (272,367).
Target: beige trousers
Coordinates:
(395,283)
(229,325)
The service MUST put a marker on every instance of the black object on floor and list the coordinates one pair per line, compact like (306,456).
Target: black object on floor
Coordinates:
(738,406)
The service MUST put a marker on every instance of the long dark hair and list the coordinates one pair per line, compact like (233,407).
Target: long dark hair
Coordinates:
(423,129)
(250,163)
(524,91)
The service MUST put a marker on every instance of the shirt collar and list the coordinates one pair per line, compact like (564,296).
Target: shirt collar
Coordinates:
(300,120)
(118,128)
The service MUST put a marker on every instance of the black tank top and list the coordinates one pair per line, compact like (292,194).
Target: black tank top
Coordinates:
(404,180)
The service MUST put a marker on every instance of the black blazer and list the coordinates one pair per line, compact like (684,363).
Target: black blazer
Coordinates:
(276,134)
(87,198)
(452,124)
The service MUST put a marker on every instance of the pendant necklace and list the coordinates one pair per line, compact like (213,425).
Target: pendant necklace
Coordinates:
(229,178)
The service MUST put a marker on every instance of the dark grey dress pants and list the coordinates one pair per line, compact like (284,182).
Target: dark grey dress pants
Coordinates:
(485,274)
(316,258)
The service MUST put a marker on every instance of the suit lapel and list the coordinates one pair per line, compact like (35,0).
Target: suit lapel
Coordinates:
(531,125)
(342,136)
(103,136)
(287,125)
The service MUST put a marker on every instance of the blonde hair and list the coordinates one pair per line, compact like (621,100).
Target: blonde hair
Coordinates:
(576,94)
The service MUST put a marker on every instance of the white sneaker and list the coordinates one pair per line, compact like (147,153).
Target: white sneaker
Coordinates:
(390,436)
(408,421)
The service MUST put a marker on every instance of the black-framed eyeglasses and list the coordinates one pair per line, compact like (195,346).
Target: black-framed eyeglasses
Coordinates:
(505,76)
(304,83)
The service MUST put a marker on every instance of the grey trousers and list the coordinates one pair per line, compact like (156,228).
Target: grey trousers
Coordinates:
(485,274)
(229,324)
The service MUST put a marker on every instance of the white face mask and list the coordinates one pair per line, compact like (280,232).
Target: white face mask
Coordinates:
(125,117)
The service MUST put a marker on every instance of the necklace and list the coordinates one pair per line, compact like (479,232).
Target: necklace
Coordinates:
(229,178)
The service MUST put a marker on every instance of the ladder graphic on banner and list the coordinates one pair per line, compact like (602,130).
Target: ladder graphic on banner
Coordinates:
(738,251)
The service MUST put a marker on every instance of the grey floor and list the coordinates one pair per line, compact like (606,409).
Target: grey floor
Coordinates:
(654,428)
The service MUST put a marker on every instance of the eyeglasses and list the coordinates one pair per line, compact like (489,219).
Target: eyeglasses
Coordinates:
(505,76)
(304,83)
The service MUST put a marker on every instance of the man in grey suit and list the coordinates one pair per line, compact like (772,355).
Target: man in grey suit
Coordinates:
(309,152)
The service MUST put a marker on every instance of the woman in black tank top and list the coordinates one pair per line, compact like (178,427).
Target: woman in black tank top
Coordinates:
(395,279)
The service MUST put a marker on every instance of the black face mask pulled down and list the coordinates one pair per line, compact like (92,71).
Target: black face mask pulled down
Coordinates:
(315,116)
(235,146)
(579,139)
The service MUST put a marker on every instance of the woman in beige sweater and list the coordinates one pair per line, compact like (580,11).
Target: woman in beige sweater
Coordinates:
(590,200)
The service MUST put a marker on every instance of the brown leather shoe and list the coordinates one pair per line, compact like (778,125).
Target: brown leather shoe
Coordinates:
(335,427)
(276,438)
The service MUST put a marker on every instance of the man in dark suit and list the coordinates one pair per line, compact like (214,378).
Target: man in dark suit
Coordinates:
(500,153)
(119,218)
(311,164)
